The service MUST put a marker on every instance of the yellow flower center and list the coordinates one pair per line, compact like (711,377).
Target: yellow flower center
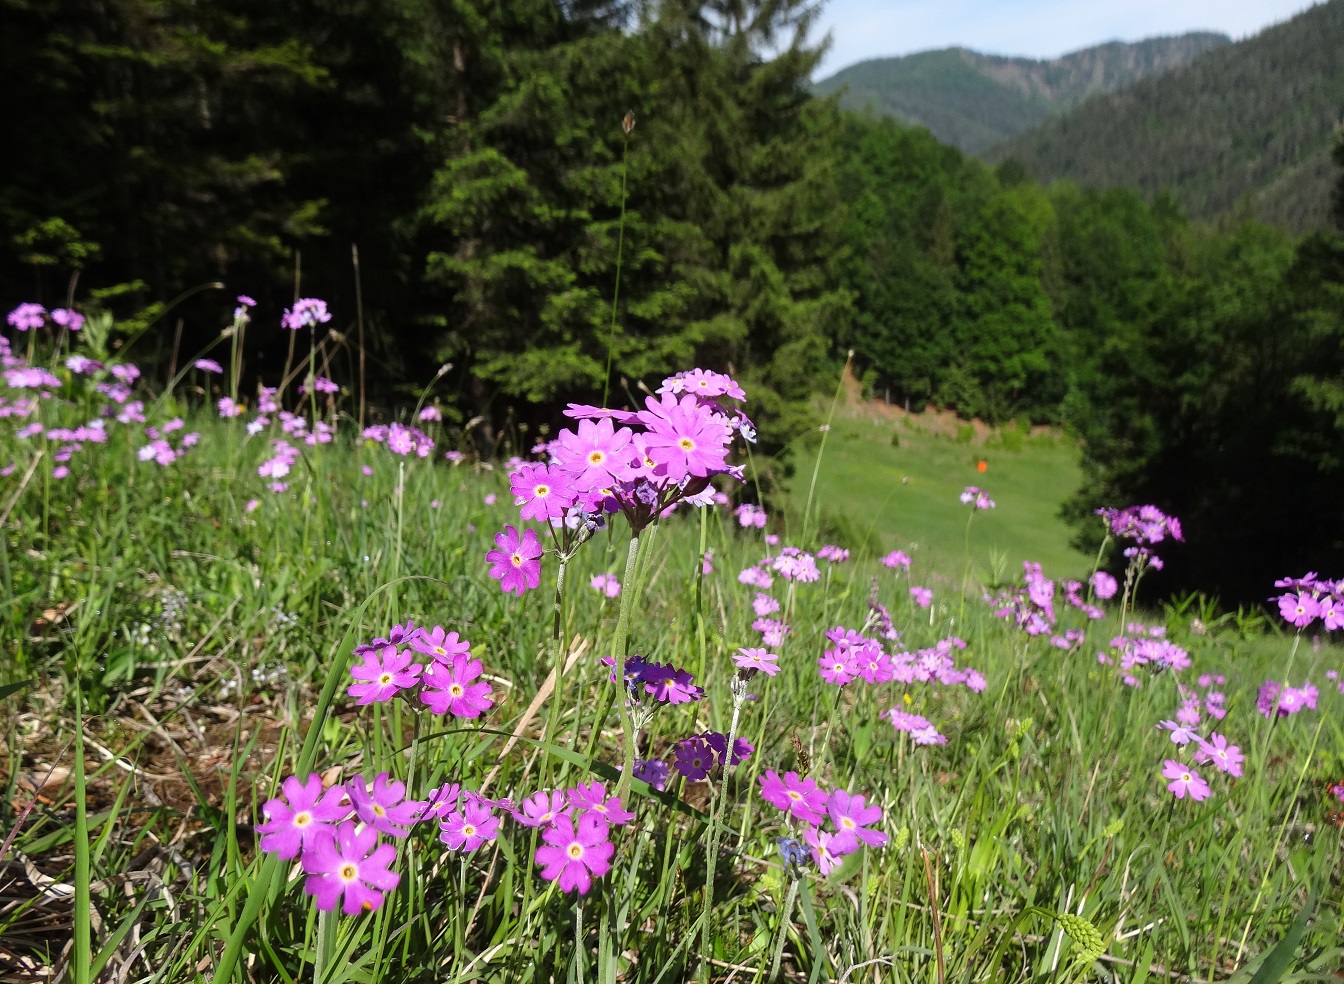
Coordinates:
(596,457)
(456,690)
(541,491)
(303,819)
(575,851)
(385,679)
(516,560)
(468,830)
(348,872)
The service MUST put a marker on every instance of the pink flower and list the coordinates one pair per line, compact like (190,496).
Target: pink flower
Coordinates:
(596,457)
(517,562)
(384,673)
(1227,758)
(852,817)
(575,853)
(468,829)
(351,865)
(449,687)
(543,494)
(684,438)
(1299,609)
(541,808)
(838,666)
(607,584)
(1103,585)
(294,826)
(897,558)
(593,797)
(381,805)
(757,659)
(799,798)
(438,645)
(1184,780)
(923,596)
(208,365)
(827,849)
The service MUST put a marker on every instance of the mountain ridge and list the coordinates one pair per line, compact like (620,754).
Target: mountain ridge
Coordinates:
(974,100)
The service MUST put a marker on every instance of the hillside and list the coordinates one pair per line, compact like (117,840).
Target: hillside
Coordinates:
(974,101)
(1248,127)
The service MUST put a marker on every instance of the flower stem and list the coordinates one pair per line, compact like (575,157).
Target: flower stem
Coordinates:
(621,644)
(784,915)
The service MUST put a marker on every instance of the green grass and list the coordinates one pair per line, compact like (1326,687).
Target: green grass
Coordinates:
(211,646)
(907,496)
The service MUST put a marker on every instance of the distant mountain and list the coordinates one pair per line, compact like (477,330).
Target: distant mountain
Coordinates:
(974,101)
(1246,128)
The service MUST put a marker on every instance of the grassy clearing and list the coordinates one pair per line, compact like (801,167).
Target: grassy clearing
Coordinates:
(209,647)
(904,494)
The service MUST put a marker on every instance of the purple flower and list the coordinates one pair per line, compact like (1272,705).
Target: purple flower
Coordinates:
(468,829)
(827,848)
(897,558)
(294,826)
(68,319)
(1299,609)
(381,805)
(796,797)
(977,498)
(208,365)
(450,687)
(26,317)
(575,853)
(516,564)
(923,596)
(694,758)
(308,312)
(1181,734)
(1103,585)
(351,865)
(838,666)
(653,771)
(718,744)
(670,685)
(384,673)
(596,457)
(1184,780)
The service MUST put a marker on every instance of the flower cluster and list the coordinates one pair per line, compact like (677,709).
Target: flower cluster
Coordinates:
(1144,645)
(807,808)
(307,312)
(750,515)
(334,834)
(31,317)
(1281,700)
(1308,599)
(160,449)
(662,681)
(699,755)
(1147,526)
(448,682)
(976,498)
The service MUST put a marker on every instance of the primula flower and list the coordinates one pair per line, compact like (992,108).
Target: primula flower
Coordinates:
(1225,757)
(852,817)
(294,823)
(68,319)
(544,494)
(1103,585)
(438,645)
(897,558)
(1181,734)
(694,758)
(575,852)
(977,498)
(827,849)
(381,805)
(655,772)
(308,312)
(541,808)
(607,584)
(838,666)
(385,672)
(441,802)
(468,829)
(208,365)
(718,744)
(1299,609)
(26,317)
(796,797)
(449,687)
(764,605)
(684,437)
(596,457)
(351,865)
(757,659)
(593,797)
(923,597)
(1184,780)
(670,685)
(516,564)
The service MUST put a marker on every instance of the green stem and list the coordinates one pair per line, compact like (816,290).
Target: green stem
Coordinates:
(81,958)
(825,433)
(616,288)
(621,645)
(783,930)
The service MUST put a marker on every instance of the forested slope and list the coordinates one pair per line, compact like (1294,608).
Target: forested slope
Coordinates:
(973,100)
(1247,128)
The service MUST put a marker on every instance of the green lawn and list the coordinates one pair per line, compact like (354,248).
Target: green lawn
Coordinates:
(908,496)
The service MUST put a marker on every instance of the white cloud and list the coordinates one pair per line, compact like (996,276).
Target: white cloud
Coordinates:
(862,29)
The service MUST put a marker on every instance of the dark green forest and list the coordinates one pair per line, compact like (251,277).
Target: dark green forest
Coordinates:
(567,200)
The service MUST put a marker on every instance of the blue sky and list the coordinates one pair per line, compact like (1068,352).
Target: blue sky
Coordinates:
(1037,28)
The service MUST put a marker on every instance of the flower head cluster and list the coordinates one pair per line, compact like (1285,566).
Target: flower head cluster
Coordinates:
(1308,599)
(1144,646)
(607,584)
(808,809)
(1281,700)
(575,830)
(1146,526)
(307,312)
(662,681)
(334,834)
(976,498)
(916,726)
(751,515)
(432,665)
(699,755)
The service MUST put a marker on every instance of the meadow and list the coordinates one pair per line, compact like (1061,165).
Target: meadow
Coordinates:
(287,701)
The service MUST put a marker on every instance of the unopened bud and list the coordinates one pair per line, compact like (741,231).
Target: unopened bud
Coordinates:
(628,123)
